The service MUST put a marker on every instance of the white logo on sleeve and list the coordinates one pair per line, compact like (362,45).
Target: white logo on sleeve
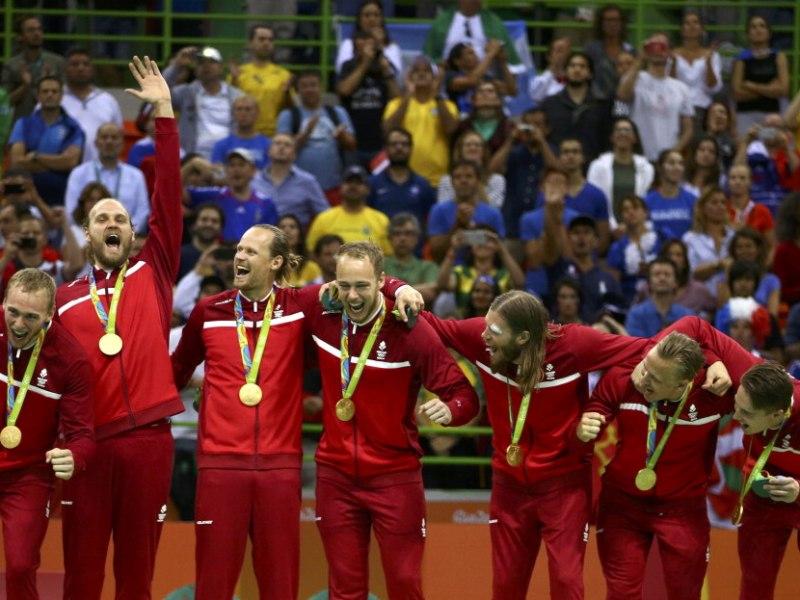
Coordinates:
(586,533)
(209,522)
(423,529)
(382,351)
(162,514)
(41,380)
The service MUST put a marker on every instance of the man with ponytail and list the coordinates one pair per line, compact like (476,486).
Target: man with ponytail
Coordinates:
(535,376)
(249,453)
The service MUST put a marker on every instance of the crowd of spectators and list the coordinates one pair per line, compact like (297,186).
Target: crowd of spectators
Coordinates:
(639,186)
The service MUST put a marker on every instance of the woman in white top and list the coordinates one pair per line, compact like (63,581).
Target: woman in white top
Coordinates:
(697,66)
(370,18)
(709,239)
(634,173)
(470,146)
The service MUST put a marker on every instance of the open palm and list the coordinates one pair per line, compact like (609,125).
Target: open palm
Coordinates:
(153,86)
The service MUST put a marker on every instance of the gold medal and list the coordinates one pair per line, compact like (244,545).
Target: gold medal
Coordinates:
(10,436)
(514,455)
(736,519)
(646,479)
(345,409)
(110,344)
(250,394)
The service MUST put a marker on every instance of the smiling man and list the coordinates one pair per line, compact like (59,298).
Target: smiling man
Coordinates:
(768,409)
(252,340)
(49,397)
(369,476)
(120,314)
(655,486)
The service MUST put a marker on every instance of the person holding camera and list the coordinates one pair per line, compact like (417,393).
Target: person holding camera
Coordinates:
(366,84)
(465,211)
(27,247)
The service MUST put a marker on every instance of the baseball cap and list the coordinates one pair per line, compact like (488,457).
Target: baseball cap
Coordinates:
(242,153)
(657,45)
(355,172)
(582,220)
(210,53)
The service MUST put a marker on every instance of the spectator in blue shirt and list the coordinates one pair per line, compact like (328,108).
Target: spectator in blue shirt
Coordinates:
(532,226)
(293,190)
(245,114)
(660,310)
(671,207)
(465,211)
(397,188)
(321,132)
(583,197)
(243,207)
(47,144)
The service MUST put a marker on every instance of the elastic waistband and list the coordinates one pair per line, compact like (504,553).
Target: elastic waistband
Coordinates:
(616,497)
(579,478)
(377,481)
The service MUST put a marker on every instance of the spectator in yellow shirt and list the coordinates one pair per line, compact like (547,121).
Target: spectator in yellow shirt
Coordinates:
(353,221)
(429,118)
(262,79)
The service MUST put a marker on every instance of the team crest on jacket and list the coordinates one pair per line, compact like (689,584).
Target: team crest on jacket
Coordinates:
(787,439)
(41,380)
(692,413)
(382,351)
(278,312)
(549,372)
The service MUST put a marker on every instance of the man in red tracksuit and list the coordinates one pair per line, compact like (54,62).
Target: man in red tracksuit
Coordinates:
(249,455)
(368,469)
(768,408)
(120,314)
(673,509)
(46,418)
(545,495)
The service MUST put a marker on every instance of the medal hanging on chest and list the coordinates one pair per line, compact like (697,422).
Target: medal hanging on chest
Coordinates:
(346,407)
(11,435)
(250,393)
(110,343)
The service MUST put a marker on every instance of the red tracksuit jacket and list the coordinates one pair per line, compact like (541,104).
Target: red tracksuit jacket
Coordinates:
(57,411)
(230,434)
(785,456)
(382,438)
(556,402)
(135,387)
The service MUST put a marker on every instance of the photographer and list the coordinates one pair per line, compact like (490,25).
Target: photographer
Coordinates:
(18,189)
(28,248)
(366,84)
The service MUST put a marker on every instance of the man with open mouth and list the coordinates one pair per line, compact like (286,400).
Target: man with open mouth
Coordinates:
(369,476)
(252,339)
(46,386)
(120,313)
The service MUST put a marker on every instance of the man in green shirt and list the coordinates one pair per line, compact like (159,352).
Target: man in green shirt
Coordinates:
(404,235)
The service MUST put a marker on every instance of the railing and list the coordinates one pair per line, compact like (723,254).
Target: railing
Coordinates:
(228,29)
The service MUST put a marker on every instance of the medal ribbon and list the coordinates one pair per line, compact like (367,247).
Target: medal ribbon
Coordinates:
(251,365)
(757,468)
(522,415)
(349,383)
(652,424)
(13,402)
(108,319)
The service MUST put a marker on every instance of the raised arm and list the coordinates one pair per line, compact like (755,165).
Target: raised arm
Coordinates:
(162,249)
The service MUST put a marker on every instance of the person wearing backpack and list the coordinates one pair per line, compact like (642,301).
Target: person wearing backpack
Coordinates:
(322,133)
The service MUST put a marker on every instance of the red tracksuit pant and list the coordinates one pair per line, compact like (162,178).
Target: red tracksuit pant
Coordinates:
(626,528)
(394,506)
(235,503)
(521,517)
(124,493)
(24,498)
(763,537)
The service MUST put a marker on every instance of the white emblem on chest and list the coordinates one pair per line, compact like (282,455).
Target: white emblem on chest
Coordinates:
(382,350)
